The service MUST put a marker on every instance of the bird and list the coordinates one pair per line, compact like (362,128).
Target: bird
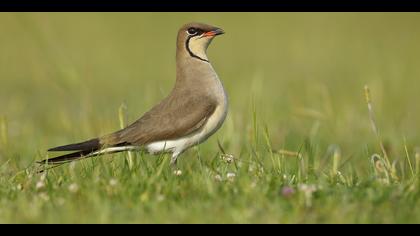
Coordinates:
(193,111)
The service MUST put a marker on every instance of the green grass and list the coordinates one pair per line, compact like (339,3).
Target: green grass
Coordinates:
(298,129)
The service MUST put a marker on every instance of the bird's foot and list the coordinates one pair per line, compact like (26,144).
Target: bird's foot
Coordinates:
(174,168)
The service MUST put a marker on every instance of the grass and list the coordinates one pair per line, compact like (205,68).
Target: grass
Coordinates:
(301,143)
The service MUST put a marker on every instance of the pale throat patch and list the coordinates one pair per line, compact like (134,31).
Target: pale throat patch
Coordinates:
(198,46)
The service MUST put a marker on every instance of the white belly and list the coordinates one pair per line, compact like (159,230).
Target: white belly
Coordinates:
(179,145)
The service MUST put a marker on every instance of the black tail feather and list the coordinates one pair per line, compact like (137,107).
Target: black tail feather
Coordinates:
(82,150)
(90,145)
(75,156)
(67,157)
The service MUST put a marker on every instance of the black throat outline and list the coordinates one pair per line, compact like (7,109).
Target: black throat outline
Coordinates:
(187,46)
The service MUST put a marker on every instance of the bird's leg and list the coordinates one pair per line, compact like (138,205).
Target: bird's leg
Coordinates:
(174,160)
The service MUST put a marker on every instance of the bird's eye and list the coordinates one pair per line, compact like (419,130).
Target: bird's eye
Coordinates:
(192,31)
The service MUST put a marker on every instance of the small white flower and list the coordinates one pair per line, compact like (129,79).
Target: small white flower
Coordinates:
(218,178)
(19,187)
(73,188)
(231,176)
(40,185)
(113,182)
(160,198)
(228,158)
(308,189)
(178,172)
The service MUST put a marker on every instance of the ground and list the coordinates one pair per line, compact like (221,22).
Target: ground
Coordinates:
(300,143)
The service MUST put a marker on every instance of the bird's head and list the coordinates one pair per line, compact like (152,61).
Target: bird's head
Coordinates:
(194,39)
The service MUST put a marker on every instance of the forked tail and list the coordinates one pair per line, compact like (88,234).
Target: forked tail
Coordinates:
(83,150)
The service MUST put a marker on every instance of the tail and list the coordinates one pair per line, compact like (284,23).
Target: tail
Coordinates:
(84,150)
(67,157)
(93,144)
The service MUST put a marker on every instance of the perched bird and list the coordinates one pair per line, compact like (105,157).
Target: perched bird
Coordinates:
(193,111)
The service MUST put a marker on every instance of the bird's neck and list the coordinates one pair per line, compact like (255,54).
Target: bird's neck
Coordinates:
(193,70)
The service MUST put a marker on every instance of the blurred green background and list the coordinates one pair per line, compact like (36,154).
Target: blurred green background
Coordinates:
(63,77)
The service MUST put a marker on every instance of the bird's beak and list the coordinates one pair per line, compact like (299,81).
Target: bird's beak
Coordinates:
(213,33)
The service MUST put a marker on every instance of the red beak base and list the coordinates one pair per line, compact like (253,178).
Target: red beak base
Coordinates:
(213,33)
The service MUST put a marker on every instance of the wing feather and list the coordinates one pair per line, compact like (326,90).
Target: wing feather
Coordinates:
(170,119)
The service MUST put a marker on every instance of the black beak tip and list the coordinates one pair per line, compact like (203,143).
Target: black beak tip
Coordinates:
(219,31)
